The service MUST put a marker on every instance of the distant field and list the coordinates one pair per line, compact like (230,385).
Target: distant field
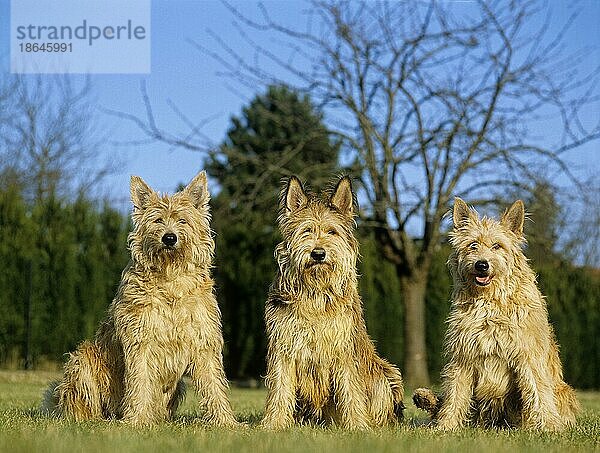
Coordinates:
(22,429)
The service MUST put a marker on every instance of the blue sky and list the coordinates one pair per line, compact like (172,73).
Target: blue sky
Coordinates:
(189,79)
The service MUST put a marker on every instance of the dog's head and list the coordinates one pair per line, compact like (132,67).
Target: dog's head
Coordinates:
(318,231)
(485,251)
(171,230)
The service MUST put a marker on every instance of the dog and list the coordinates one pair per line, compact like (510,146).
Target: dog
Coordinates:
(503,365)
(164,322)
(322,366)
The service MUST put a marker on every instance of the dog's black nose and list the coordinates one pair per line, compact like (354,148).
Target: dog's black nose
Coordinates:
(482,266)
(318,254)
(169,239)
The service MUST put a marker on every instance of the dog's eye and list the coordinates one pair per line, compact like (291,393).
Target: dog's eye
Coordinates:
(496,246)
(307,231)
(473,246)
(332,231)
(159,221)
(182,221)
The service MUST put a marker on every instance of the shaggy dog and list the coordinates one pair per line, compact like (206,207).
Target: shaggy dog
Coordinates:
(503,368)
(163,323)
(321,365)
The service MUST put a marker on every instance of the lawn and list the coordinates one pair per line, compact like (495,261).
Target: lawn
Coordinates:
(22,429)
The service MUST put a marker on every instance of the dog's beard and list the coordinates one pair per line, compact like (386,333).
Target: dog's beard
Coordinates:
(318,272)
(327,277)
(162,256)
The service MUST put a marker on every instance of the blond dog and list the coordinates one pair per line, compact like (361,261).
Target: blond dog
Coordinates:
(321,364)
(503,368)
(163,323)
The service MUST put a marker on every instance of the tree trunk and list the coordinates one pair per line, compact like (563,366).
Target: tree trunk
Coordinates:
(415,369)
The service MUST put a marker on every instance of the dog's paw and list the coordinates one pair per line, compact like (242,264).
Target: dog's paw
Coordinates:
(551,423)
(447,425)
(361,426)
(275,425)
(225,421)
(233,425)
(425,399)
(139,422)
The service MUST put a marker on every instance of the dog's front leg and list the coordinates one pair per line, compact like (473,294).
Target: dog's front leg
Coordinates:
(208,376)
(142,400)
(458,391)
(281,399)
(537,394)
(352,399)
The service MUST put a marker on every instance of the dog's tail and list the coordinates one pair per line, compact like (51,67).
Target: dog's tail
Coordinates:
(86,379)
(426,400)
(567,403)
(49,406)
(393,376)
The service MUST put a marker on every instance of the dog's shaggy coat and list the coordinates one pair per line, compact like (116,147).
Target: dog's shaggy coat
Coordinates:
(163,323)
(504,368)
(321,364)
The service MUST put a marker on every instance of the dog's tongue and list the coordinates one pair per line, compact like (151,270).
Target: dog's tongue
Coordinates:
(483,280)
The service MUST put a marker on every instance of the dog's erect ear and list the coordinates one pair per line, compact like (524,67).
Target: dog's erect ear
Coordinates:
(342,198)
(514,217)
(294,194)
(140,192)
(197,190)
(461,213)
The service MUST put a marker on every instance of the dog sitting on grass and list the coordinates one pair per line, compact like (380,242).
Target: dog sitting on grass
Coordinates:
(503,368)
(321,365)
(163,323)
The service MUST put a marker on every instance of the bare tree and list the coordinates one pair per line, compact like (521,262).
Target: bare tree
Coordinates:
(562,224)
(430,103)
(582,242)
(49,144)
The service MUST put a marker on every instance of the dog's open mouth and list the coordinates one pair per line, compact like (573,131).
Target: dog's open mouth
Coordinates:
(483,280)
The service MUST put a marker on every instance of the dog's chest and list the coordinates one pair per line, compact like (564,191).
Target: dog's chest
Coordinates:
(320,346)
(315,340)
(485,330)
(172,314)
(184,314)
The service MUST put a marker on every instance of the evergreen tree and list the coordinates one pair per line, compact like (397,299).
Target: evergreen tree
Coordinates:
(55,311)
(61,264)
(280,132)
(543,225)
(380,291)
(15,256)
(437,305)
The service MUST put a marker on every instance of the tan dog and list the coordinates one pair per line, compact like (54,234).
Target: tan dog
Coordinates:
(504,368)
(321,364)
(163,323)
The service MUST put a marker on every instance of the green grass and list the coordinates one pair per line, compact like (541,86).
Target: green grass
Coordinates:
(22,429)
